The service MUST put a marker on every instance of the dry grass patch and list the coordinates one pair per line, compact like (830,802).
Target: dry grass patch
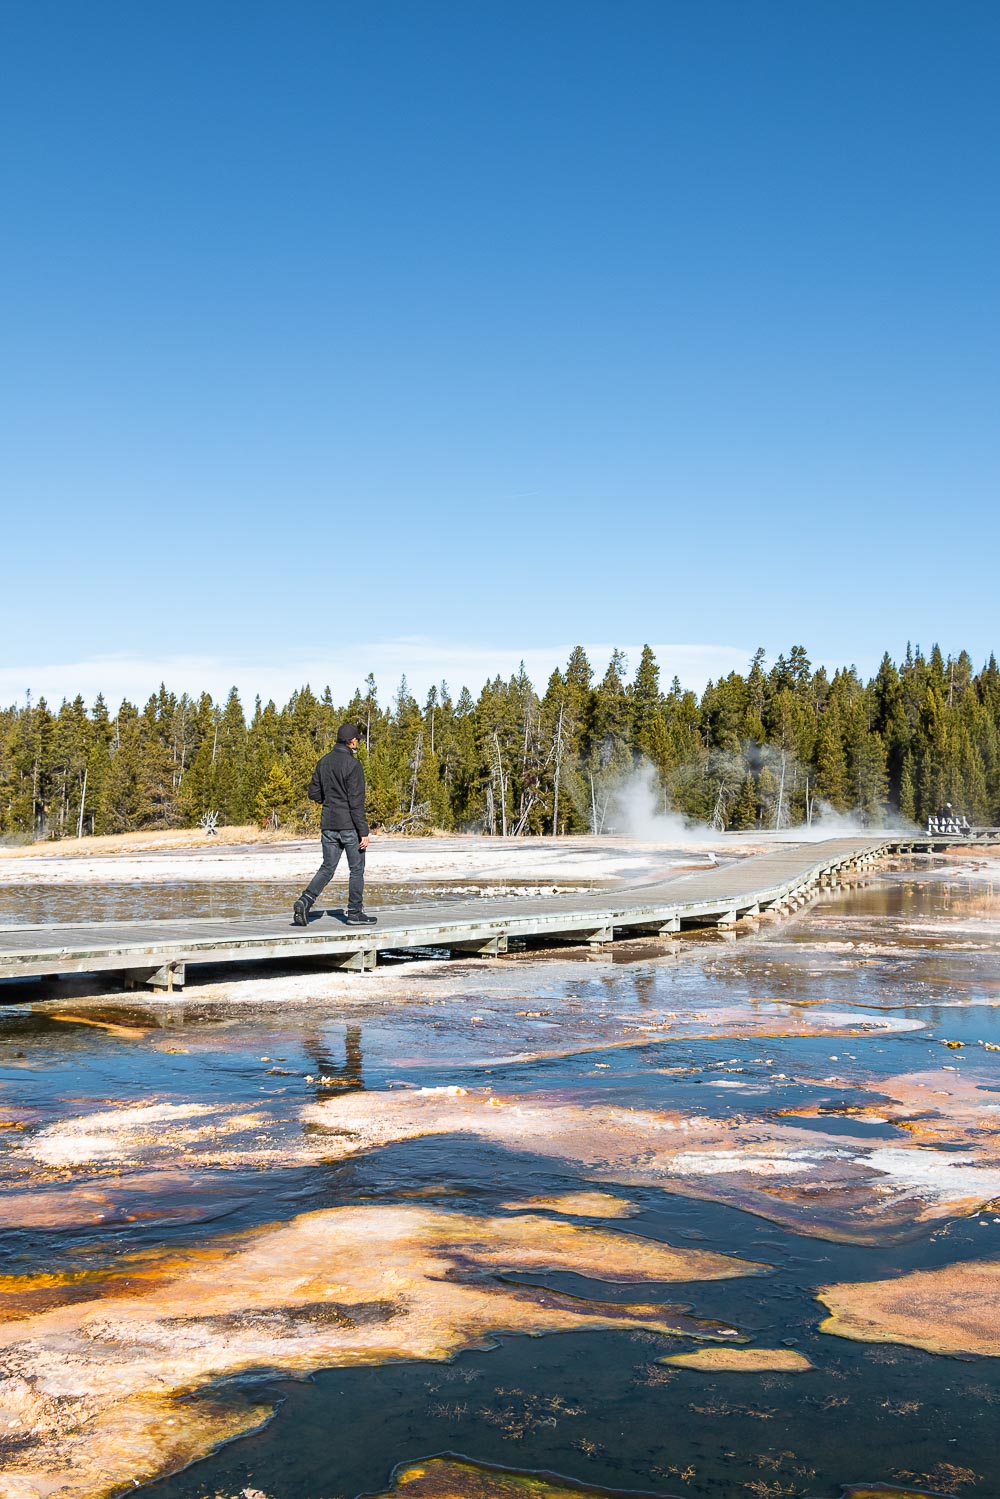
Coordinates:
(164,839)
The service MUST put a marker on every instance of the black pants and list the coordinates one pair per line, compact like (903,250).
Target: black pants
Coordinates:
(335,842)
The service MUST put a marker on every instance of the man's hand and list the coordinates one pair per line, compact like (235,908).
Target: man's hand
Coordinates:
(362,843)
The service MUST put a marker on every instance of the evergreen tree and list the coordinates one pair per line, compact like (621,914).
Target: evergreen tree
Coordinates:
(754,749)
(276,797)
(647,704)
(745,809)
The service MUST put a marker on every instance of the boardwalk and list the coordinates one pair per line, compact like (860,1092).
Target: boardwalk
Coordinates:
(158,953)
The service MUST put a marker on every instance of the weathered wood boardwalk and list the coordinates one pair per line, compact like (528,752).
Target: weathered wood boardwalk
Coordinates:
(158,952)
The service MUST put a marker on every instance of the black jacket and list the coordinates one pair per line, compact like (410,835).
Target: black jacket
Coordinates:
(339,783)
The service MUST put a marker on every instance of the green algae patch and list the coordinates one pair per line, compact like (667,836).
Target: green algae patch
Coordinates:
(108,1374)
(450,1477)
(951,1310)
(741,1360)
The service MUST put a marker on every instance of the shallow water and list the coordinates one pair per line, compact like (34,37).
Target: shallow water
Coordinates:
(31,905)
(652,1030)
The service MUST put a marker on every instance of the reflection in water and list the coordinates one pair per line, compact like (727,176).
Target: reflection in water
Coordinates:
(188,1202)
(348,1073)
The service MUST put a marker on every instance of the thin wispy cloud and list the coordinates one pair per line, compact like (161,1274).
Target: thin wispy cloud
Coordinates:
(343,668)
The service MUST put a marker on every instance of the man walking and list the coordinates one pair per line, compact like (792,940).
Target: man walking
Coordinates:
(338,783)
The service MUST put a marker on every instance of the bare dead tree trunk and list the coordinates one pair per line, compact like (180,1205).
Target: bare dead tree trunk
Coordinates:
(527,797)
(555,796)
(83,803)
(418,755)
(518,829)
(781,793)
(718,822)
(503,786)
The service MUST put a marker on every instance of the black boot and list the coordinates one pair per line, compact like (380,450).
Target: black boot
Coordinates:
(361,918)
(300,911)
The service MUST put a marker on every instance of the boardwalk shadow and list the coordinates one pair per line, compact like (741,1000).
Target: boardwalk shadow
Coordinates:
(314,917)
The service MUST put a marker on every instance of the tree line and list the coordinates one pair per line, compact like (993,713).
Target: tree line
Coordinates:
(773,747)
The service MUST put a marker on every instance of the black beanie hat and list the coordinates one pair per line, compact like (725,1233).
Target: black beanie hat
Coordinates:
(346,733)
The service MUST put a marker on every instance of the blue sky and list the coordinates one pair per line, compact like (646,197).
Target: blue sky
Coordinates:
(339,334)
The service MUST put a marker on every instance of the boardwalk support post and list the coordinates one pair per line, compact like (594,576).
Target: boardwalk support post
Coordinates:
(591,936)
(362,960)
(480,947)
(667,926)
(164,979)
(603,935)
(724,919)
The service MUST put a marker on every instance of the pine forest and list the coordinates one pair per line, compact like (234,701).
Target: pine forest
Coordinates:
(781,745)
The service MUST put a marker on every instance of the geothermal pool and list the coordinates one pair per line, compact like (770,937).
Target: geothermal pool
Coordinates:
(711,1217)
